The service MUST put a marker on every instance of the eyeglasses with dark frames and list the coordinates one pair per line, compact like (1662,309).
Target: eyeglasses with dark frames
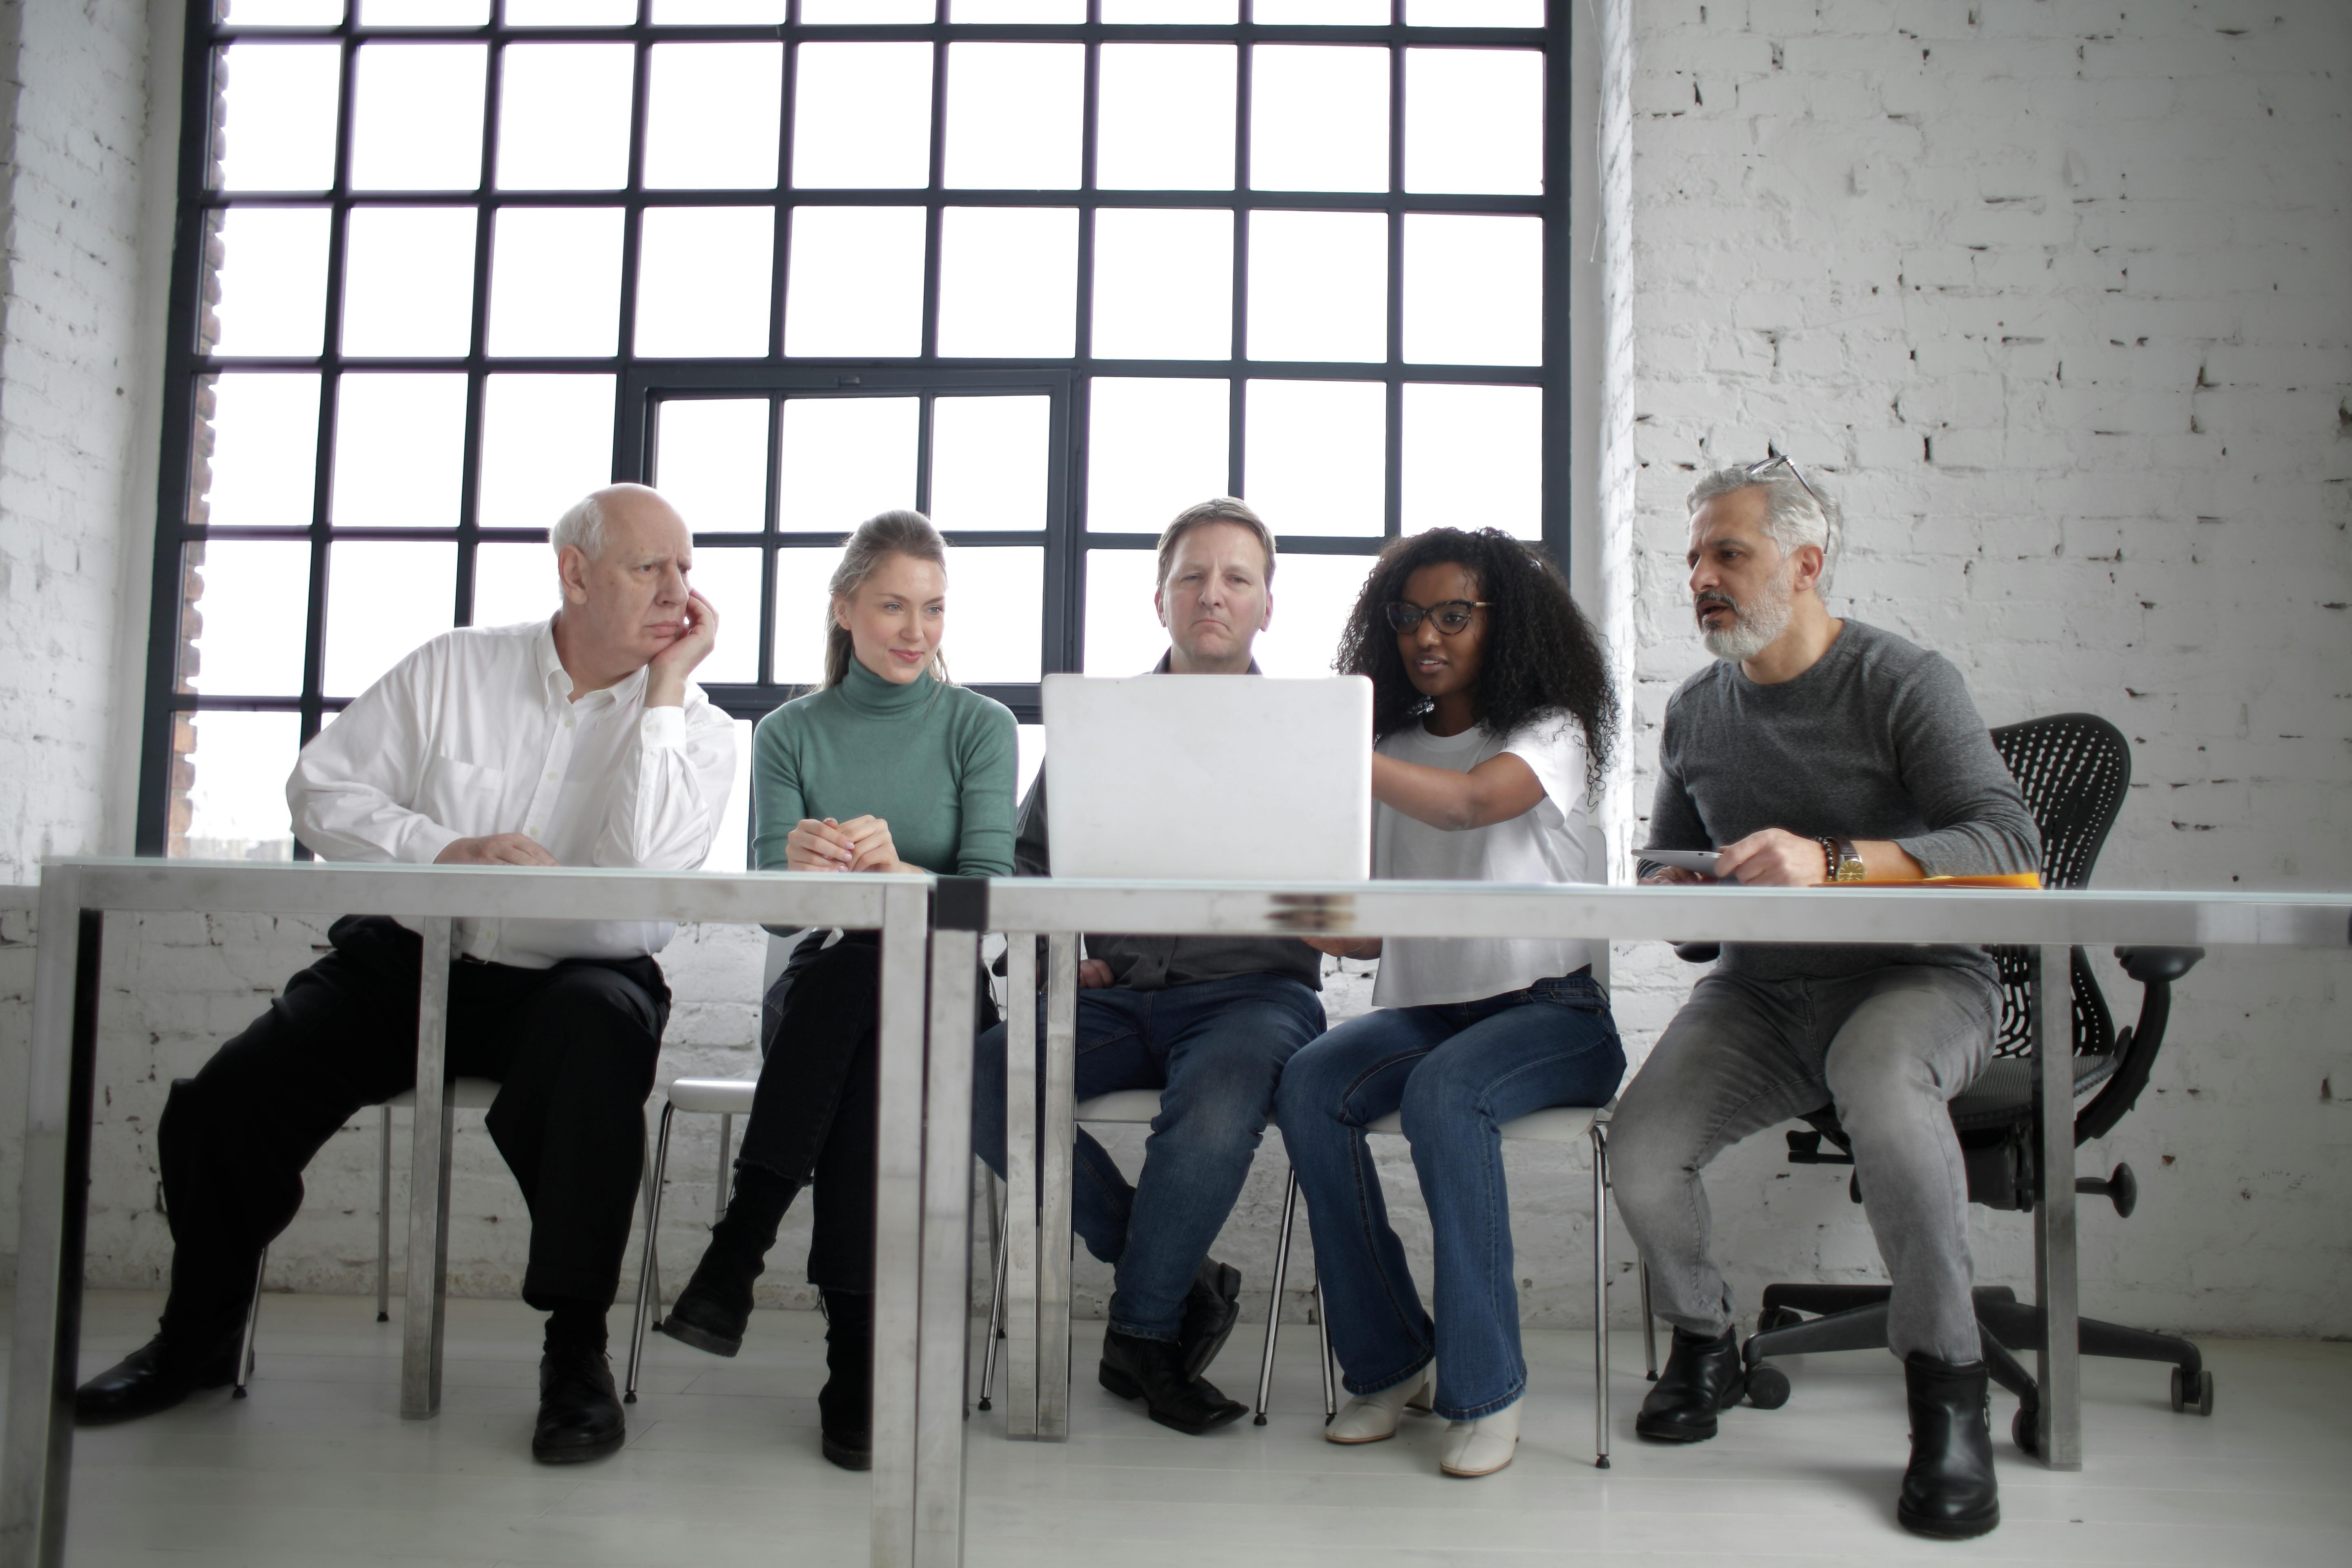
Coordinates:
(1451,614)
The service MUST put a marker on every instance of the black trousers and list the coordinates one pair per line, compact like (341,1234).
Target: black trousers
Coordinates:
(573,1048)
(815,1115)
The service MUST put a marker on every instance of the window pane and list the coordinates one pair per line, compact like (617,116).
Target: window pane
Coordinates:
(265,447)
(547,440)
(1473,290)
(734,839)
(273,280)
(1146,89)
(1029,744)
(730,579)
(712,462)
(1321,13)
(1474,458)
(383,601)
(1019,11)
(248,605)
(1312,597)
(1013,114)
(278,116)
(1319,117)
(856,288)
(802,610)
(1316,456)
(842,459)
(1001,592)
(237,800)
(1124,636)
(1474,121)
(424,13)
(514,583)
(718,13)
(989,457)
(416,117)
(1132,11)
(711,115)
(570,13)
(1008,281)
(563,117)
(555,280)
(1154,448)
(1163,284)
(1474,13)
(827,13)
(408,282)
(400,451)
(704,278)
(1318,286)
(862,115)
(285,12)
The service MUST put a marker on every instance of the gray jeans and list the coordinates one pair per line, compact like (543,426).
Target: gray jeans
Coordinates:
(1889,1048)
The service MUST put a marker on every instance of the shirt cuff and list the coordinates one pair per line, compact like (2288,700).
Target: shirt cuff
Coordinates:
(665,728)
(425,844)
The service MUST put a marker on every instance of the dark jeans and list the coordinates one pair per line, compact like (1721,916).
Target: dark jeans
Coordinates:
(815,1114)
(573,1048)
(1457,1071)
(1215,1049)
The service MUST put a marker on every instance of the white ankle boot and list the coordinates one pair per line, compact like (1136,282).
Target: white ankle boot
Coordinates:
(1481,1447)
(1370,1417)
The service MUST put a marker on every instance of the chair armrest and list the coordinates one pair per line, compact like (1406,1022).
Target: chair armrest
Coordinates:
(2151,964)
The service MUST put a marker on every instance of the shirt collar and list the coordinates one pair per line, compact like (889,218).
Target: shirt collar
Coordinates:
(558,680)
(1166,659)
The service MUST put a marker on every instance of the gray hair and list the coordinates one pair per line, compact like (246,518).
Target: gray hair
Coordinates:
(581,527)
(1793,516)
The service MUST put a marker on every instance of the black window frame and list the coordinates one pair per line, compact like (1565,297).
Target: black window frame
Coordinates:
(640,382)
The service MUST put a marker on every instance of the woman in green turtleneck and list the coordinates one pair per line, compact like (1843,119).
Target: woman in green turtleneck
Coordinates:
(885,767)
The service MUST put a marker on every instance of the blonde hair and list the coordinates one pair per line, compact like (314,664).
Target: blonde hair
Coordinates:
(1216,509)
(879,538)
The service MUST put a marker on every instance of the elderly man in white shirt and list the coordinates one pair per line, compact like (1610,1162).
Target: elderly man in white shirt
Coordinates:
(577,741)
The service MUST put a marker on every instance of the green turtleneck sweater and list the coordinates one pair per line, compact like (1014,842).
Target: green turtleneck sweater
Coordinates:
(934,762)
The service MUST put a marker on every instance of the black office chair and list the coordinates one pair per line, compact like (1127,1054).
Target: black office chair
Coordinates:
(2074,769)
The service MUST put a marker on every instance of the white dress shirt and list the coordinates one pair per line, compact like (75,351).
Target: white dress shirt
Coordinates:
(475,733)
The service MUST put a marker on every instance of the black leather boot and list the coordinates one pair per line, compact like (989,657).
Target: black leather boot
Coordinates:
(1153,1370)
(579,1411)
(1950,1490)
(1702,1376)
(1211,1308)
(712,1310)
(845,1405)
(154,1377)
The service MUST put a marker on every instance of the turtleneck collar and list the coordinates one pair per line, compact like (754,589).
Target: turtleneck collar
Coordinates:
(866,692)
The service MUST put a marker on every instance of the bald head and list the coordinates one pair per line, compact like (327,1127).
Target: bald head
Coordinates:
(622,553)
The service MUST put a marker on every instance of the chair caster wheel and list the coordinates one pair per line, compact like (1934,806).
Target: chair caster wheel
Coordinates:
(1768,1386)
(2201,1400)
(2025,1430)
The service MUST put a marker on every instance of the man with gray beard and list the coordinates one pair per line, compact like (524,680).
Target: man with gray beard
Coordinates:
(1819,750)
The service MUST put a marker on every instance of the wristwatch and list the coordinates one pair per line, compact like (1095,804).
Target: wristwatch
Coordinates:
(1841,861)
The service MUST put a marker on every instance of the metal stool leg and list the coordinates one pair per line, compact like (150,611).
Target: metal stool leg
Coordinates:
(1600,1298)
(722,1184)
(1331,1386)
(383,1225)
(252,1324)
(996,1295)
(1649,1327)
(645,1269)
(1273,1302)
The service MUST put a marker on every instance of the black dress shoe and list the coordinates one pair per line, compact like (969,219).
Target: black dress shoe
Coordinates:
(154,1377)
(1212,1307)
(1153,1372)
(579,1410)
(1950,1490)
(1702,1376)
(845,1405)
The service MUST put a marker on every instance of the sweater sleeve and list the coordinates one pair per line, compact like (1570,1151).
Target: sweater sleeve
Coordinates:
(987,766)
(778,802)
(1674,820)
(1978,822)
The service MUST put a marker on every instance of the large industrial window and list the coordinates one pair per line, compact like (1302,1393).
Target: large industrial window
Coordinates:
(1048,270)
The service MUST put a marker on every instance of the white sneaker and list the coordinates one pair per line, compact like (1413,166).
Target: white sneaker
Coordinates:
(1481,1447)
(1370,1417)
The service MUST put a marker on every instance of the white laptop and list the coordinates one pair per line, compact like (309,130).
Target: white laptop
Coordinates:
(1210,778)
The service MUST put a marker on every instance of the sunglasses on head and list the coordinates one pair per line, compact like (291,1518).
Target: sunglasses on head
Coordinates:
(1451,615)
(1763,469)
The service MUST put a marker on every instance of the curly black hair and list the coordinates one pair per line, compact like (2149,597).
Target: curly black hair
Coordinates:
(1542,657)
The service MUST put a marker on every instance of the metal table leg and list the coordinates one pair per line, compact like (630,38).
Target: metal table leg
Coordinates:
(1055,1130)
(2060,1363)
(44,1360)
(1020,1185)
(428,1183)
(897,1222)
(945,1338)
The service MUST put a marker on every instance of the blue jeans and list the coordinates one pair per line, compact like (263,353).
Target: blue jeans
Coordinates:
(1214,1050)
(1458,1072)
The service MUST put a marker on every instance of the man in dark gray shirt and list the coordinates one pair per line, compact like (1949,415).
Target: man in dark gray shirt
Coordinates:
(1818,749)
(1207,1021)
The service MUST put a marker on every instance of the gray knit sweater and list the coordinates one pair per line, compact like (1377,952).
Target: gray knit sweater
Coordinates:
(1878,740)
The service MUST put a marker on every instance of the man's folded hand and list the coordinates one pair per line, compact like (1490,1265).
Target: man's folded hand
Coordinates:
(496,849)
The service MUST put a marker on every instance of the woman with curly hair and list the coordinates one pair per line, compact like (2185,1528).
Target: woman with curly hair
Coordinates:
(1492,716)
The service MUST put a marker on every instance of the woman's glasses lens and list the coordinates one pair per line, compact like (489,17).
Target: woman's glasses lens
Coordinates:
(1451,618)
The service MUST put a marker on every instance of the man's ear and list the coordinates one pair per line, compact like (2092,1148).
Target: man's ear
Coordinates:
(1159,604)
(572,570)
(1266,620)
(1811,559)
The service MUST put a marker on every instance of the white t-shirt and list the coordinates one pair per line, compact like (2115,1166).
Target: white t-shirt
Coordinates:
(1543,845)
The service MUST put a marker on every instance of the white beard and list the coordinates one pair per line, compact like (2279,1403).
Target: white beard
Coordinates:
(1755,626)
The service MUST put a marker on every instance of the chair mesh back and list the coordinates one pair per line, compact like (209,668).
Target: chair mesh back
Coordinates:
(2072,769)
